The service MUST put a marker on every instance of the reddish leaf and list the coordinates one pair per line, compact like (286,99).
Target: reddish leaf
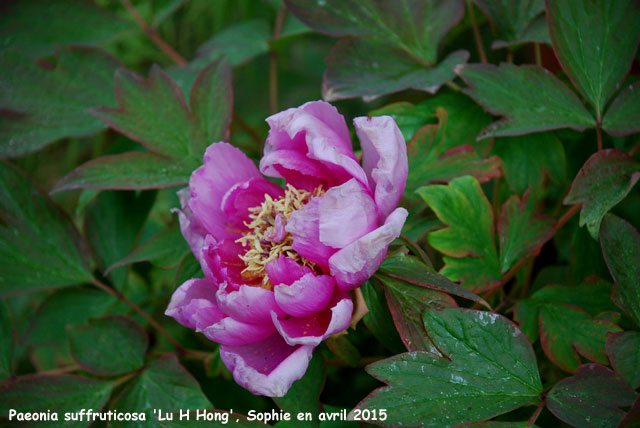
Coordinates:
(632,420)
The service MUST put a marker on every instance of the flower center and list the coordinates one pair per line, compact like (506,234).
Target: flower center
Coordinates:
(267,239)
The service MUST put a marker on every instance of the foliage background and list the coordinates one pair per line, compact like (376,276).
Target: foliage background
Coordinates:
(502,158)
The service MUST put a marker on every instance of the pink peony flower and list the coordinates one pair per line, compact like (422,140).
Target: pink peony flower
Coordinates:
(279,263)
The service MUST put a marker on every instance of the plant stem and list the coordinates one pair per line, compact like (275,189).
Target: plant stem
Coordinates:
(536,413)
(153,34)
(453,86)
(509,56)
(247,128)
(599,132)
(142,313)
(476,33)
(60,370)
(536,49)
(273,63)
(635,148)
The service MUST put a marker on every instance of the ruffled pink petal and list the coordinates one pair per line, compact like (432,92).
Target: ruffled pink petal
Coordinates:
(305,296)
(326,139)
(268,367)
(346,213)
(248,304)
(384,159)
(192,230)
(355,263)
(297,169)
(221,262)
(224,166)
(304,226)
(313,329)
(230,331)
(276,233)
(284,270)
(247,194)
(194,303)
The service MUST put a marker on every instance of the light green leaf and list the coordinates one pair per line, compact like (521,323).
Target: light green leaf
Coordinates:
(529,97)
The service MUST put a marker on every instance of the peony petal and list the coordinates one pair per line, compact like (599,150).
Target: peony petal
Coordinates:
(346,213)
(384,159)
(192,230)
(224,166)
(268,367)
(284,270)
(247,194)
(305,296)
(220,261)
(313,329)
(230,331)
(304,226)
(193,303)
(355,263)
(248,304)
(297,169)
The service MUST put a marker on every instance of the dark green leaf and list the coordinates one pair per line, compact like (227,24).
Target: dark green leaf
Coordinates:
(510,21)
(592,296)
(124,212)
(521,230)
(467,241)
(498,424)
(602,182)
(407,302)
(623,116)
(6,342)
(632,419)
(417,26)
(621,249)
(591,398)
(211,102)
(369,68)
(411,270)
(36,27)
(433,160)
(127,171)
(41,105)
(188,268)
(623,350)
(56,393)
(378,320)
(529,97)
(40,247)
(595,41)
(465,118)
(566,332)
(165,249)
(70,306)
(304,395)
(346,351)
(164,385)
(491,369)
(108,346)
(529,159)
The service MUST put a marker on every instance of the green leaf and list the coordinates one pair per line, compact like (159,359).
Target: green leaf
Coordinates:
(623,115)
(55,393)
(595,41)
(432,160)
(521,230)
(407,302)
(529,97)
(621,249)
(623,350)
(164,249)
(529,159)
(591,398)
(467,241)
(510,21)
(127,171)
(346,351)
(378,320)
(188,268)
(164,385)
(416,26)
(124,212)
(410,270)
(592,296)
(490,369)
(304,394)
(44,104)
(566,332)
(40,247)
(632,419)
(211,102)
(465,118)
(108,346)
(6,342)
(36,27)
(70,306)
(498,424)
(369,68)
(603,181)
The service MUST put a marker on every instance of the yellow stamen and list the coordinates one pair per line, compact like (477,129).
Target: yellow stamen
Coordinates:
(262,249)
